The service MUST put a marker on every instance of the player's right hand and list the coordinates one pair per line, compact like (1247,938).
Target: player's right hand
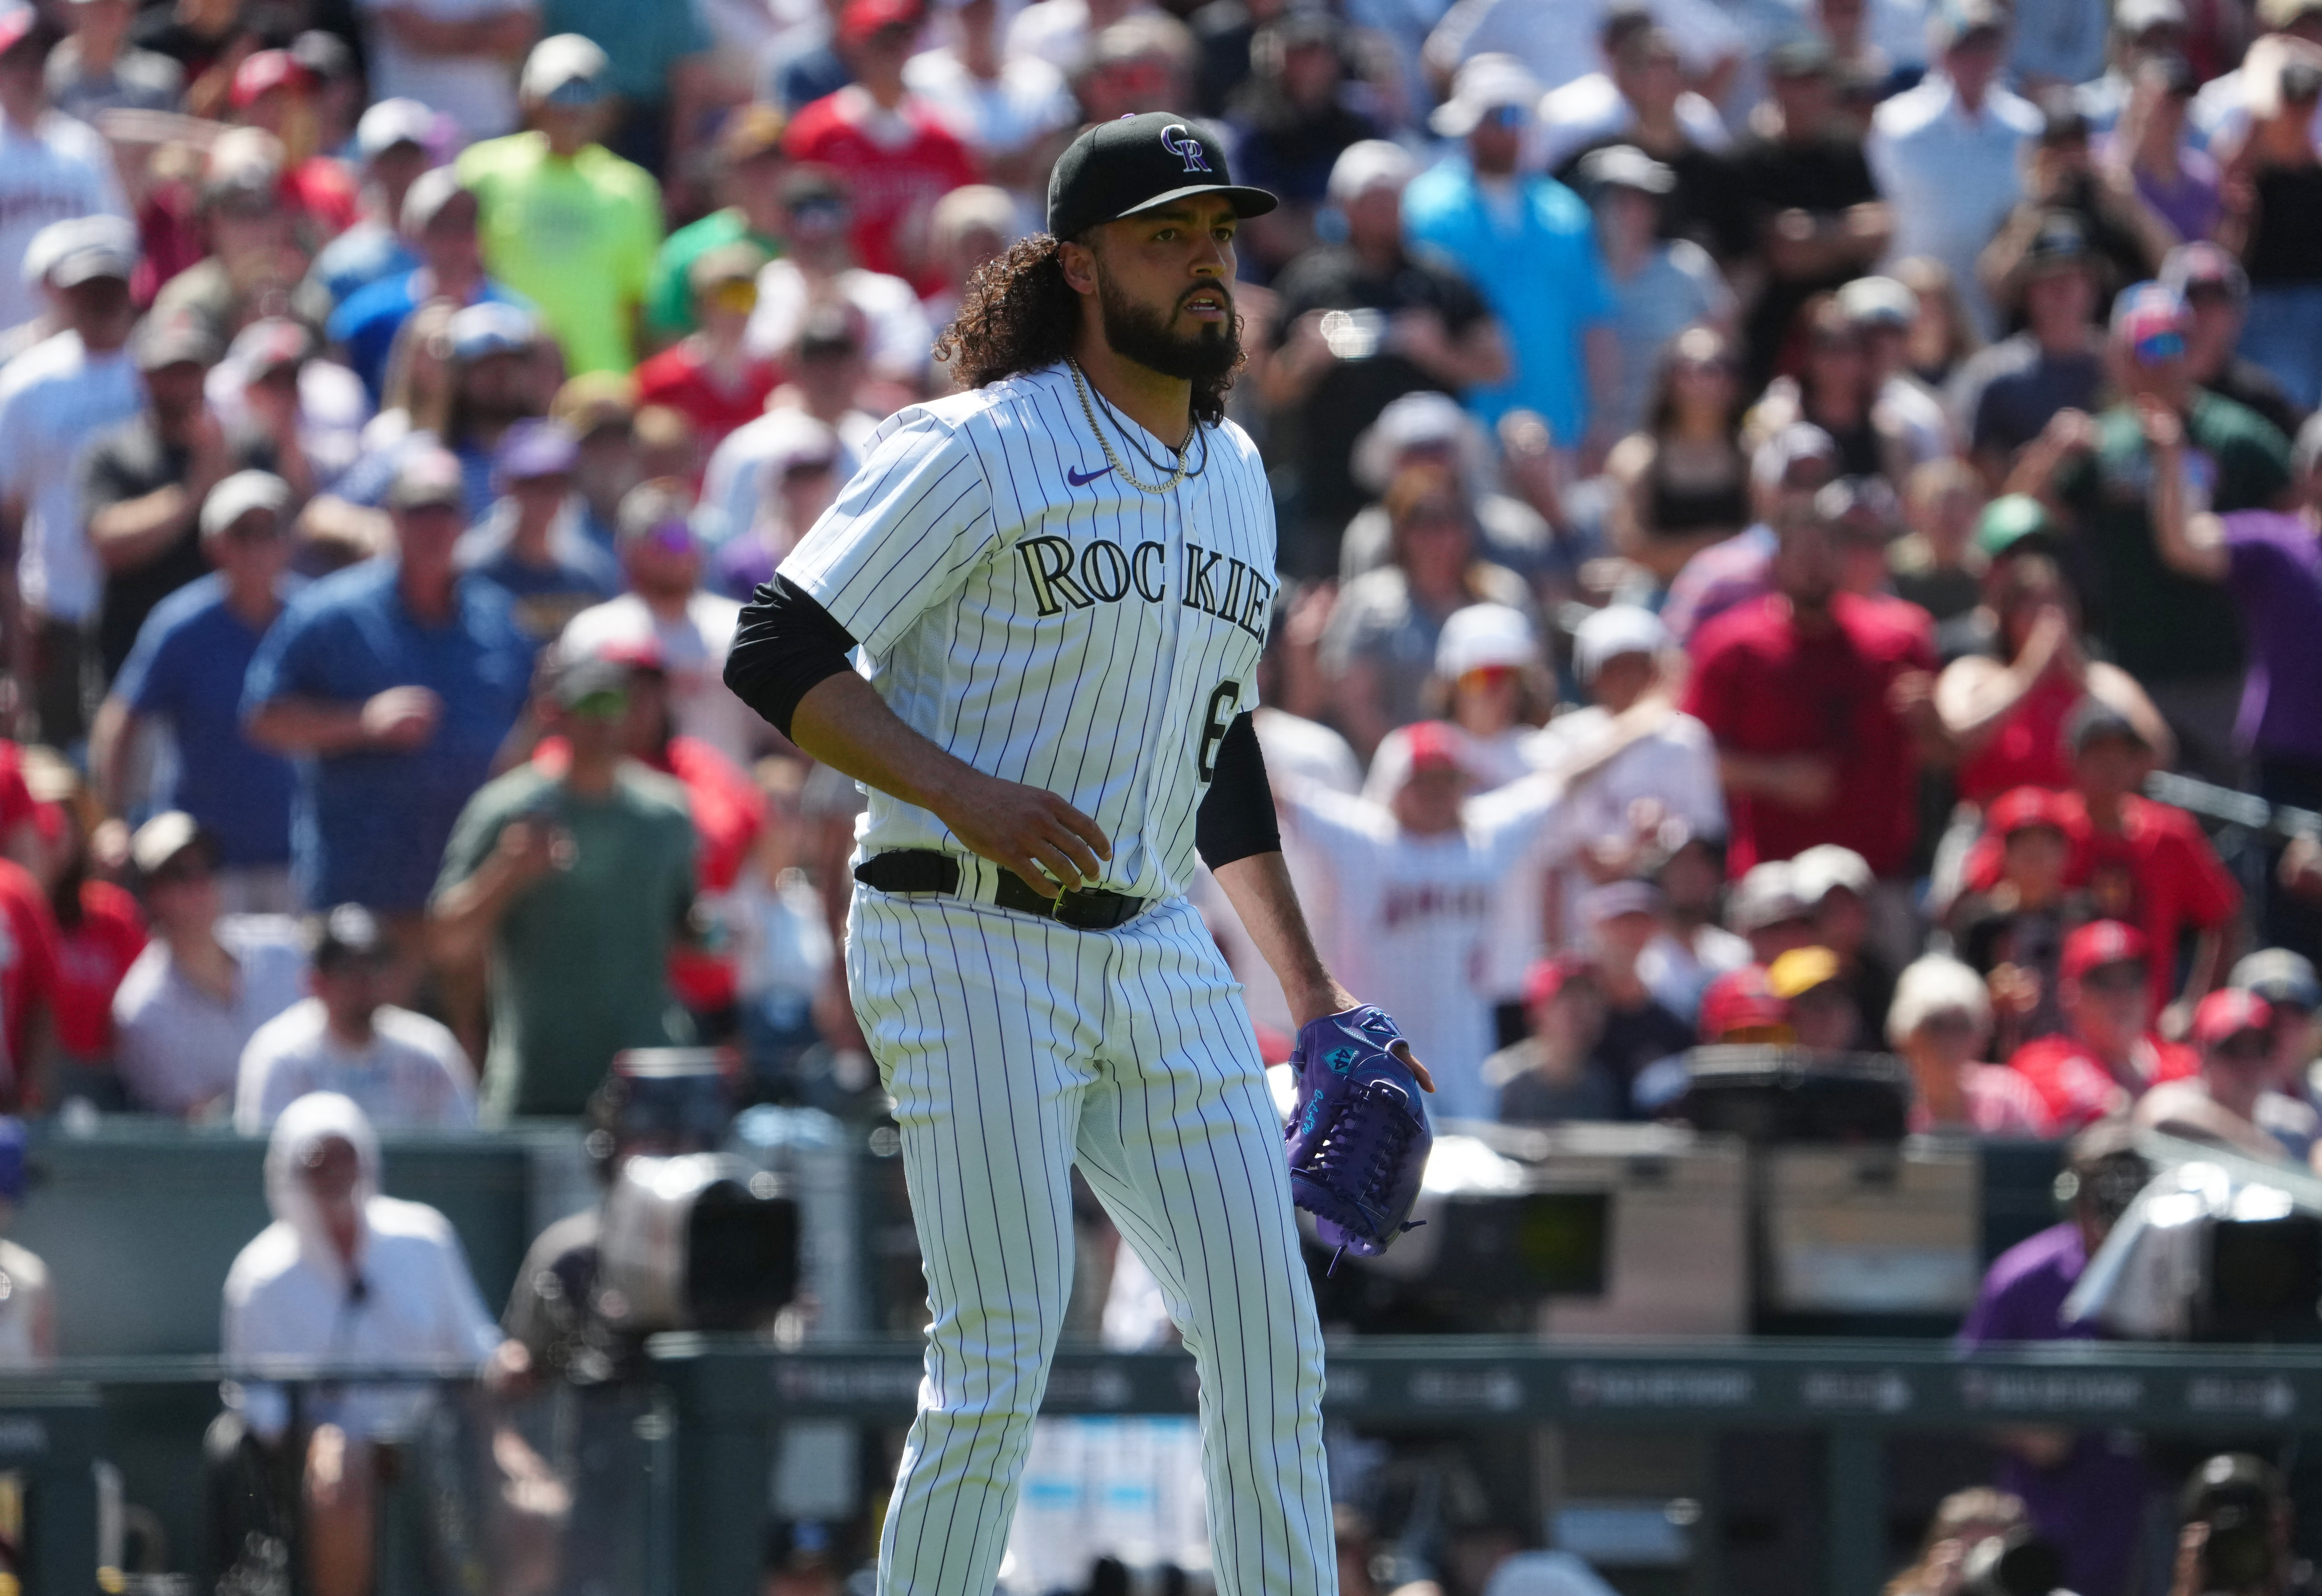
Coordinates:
(1029,830)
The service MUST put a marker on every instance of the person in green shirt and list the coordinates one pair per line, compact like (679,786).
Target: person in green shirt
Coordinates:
(749,176)
(564,221)
(576,885)
(2179,637)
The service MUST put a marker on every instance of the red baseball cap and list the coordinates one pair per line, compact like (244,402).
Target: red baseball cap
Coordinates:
(267,69)
(1741,1000)
(18,25)
(2229,1013)
(1433,745)
(2106,941)
(1546,978)
(2022,808)
(862,18)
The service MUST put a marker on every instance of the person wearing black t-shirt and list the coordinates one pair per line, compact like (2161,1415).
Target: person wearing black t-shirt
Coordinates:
(2216,291)
(1360,324)
(2274,220)
(143,484)
(1820,221)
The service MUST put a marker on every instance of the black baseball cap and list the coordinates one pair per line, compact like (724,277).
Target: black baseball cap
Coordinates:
(1118,168)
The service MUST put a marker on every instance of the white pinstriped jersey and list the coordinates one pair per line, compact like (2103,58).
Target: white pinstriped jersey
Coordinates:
(1026,610)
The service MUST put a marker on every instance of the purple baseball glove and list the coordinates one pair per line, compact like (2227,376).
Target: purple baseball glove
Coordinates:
(1358,1139)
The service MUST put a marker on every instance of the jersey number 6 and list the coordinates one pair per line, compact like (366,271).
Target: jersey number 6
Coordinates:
(1216,724)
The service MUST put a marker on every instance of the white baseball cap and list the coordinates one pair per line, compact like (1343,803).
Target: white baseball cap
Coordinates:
(1486,83)
(1613,631)
(391,122)
(1414,421)
(1766,895)
(568,63)
(1817,870)
(1367,165)
(238,495)
(1481,636)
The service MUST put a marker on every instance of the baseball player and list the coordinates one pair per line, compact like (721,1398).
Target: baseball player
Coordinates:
(1058,582)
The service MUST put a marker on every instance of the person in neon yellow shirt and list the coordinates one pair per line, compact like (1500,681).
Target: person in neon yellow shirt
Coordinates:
(565,222)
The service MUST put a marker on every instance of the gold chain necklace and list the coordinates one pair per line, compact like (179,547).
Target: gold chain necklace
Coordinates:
(1090,411)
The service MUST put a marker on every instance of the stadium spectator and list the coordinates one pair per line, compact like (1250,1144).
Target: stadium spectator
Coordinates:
(1936,564)
(1430,429)
(1488,685)
(1786,471)
(800,474)
(1642,1035)
(1534,262)
(2273,188)
(576,886)
(1003,105)
(185,673)
(1559,1073)
(2125,237)
(2177,636)
(1416,887)
(601,410)
(487,359)
(52,168)
(2271,564)
(250,239)
(710,376)
(1660,286)
(1691,948)
(1739,1009)
(1291,120)
(95,68)
(2007,394)
(1819,218)
(1839,894)
(1881,310)
(2013,932)
(2109,1056)
(143,483)
(667,613)
(1823,711)
(894,154)
(530,544)
(1682,479)
(56,400)
(659,76)
(1560,43)
(2216,291)
(456,57)
(203,985)
(343,1276)
(1702,204)
(1941,1021)
(393,684)
(404,1071)
(749,174)
(393,140)
(1945,154)
(2175,177)
(274,92)
(2287,982)
(1384,633)
(1145,58)
(2234,1101)
(99,934)
(565,222)
(817,274)
(2086,1491)
(439,220)
(302,414)
(1630,762)
(1639,66)
(1404,322)
(2006,703)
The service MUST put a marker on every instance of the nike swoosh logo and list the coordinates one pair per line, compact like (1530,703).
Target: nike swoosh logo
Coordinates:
(1079,481)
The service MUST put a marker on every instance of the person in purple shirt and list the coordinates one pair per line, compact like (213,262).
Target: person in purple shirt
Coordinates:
(2271,562)
(1784,473)
(2088,1491)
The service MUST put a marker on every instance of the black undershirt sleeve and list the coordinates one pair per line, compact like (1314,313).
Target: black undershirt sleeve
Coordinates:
(1235,820)
(785,645)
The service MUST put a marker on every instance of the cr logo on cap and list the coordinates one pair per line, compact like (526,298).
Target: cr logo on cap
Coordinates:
(1179,141)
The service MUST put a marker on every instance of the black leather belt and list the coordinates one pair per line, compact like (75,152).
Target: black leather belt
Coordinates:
(927,869)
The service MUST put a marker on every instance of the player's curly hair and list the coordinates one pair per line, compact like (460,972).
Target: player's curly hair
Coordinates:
(1018,315)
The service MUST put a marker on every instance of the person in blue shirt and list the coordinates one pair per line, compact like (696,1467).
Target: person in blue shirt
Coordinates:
(393,684)
(392,140)
(531,543)
(1528,244)
(186,669)
(439,219)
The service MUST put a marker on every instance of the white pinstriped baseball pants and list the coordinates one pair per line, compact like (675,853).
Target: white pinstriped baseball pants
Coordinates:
(1012,1048)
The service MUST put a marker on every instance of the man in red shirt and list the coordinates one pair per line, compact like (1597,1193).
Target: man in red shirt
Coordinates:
(2107,1058)
(896,159)
(709,376)
(2136,860)
(28,985)
(1819,701)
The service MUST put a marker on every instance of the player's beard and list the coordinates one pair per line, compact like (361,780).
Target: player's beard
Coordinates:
(1141,333)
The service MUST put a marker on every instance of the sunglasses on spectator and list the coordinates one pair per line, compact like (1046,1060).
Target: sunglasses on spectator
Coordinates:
(183,870)
(738,294)
(1948,1022)
(2114,978)
(610,704)
(1505,117)
(2246,1047)
(2160,348)
(1484,676)
(255,529)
